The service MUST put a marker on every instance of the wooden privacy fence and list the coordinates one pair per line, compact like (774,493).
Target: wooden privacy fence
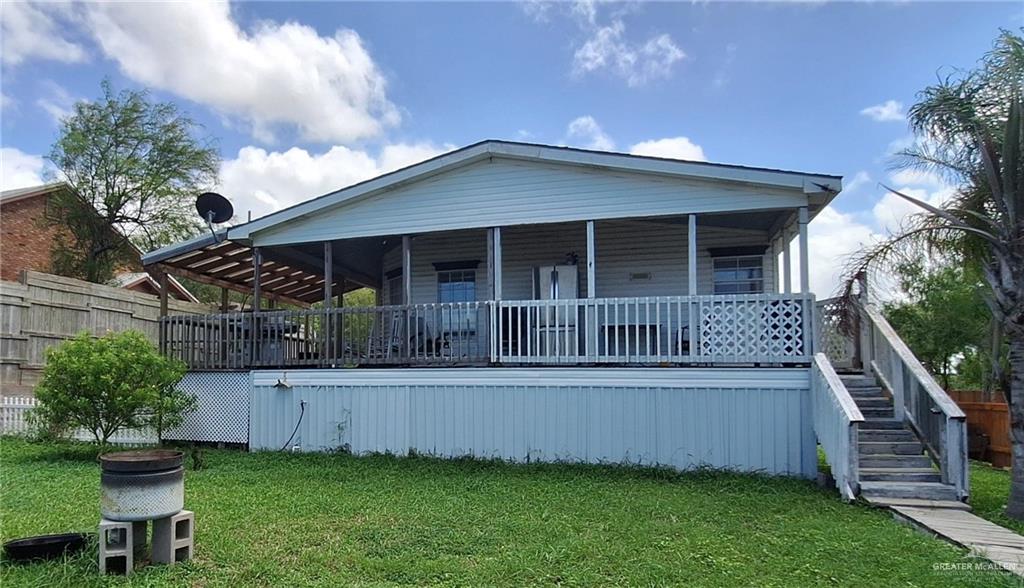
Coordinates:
(41,310)
(988,415)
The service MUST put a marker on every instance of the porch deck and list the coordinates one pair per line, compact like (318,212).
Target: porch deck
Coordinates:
(758,329)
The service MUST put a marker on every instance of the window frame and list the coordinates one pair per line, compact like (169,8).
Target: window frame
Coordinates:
(737,280)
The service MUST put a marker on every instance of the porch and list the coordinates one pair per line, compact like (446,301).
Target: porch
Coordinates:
(715,289)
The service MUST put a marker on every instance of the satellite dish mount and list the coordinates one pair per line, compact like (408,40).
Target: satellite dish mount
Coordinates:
(214,209)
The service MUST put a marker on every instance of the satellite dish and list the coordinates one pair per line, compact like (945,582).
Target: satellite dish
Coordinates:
(214,209)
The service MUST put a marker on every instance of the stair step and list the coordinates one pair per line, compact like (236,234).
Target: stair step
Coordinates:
(919,490)
(894,461)
(877,413)
(877,424)
(866,393)
(890,435)
(890,448)
(858,381)
(863,402)
(899,475)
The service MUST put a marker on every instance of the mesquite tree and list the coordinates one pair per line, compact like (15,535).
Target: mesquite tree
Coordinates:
(133,168)
(970,129)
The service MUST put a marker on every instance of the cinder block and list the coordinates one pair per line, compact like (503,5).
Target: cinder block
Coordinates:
(173,538)
(117,546)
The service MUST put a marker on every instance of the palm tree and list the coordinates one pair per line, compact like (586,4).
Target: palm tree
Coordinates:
(971,131)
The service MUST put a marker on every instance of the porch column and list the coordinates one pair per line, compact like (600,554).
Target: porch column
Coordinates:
(497,263)
(407,268)
(327,327)
(590,322)
(691,285)
(257,264)
(787,262)
(163,293)
(328,275)
(805,281)
(224,300)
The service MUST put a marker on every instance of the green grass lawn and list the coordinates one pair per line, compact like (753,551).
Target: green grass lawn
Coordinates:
(296,520)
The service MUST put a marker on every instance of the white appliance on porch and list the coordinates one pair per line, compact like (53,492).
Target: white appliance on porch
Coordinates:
(556,324)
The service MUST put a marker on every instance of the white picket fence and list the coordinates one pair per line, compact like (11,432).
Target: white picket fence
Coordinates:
(13,421)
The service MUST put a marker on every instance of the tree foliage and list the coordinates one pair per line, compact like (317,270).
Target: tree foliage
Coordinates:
(118,381)
(970,129)
(133,168)
(944,317)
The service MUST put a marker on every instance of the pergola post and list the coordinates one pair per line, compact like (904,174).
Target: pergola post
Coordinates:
(691,284)
(224,304)
(163,311)
(257,264)
(407,268)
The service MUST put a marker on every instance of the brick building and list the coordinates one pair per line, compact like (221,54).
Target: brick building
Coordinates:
(30,227)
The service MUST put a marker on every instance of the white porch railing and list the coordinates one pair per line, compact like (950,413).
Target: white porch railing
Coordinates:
(836,424)
(917,397)
(741,329)
(830,340)
(754,328)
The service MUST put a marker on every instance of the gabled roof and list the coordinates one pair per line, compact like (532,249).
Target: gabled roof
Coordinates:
(806,182)
(128,281)
(8,196)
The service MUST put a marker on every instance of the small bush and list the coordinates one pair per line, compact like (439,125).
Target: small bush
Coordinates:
(118,381)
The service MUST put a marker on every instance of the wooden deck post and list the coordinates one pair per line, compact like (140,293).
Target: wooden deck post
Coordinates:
(407,269)
(163,294)
(224,304)
(497,263)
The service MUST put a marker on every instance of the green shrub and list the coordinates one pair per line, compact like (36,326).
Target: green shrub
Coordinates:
(106,384)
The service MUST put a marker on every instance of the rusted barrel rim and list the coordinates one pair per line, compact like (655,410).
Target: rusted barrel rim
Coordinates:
(147,460)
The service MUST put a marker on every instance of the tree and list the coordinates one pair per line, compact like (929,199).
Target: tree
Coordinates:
(944,316)
(133,168)
(970,129)
(118,381)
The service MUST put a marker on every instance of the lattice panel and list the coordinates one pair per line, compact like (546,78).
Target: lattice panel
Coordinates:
(222,408)
(752,331)
(836,346)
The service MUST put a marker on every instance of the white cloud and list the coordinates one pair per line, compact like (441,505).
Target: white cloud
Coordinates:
(859,179)
(832,236)
(585,132)
(19,169)
(888,111)
(58,103)
(328,87)
(672,148)
(35,31)
(608,49)
(917,177)
(263,182)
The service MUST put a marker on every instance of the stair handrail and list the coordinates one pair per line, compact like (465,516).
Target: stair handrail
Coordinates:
(917,397)
(837,424)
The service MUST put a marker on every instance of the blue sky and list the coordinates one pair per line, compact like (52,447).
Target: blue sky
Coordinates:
(309,97)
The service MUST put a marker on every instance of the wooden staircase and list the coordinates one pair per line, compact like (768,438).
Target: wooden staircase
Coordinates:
(893,465)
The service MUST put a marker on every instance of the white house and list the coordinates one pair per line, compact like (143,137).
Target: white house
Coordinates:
(549,303)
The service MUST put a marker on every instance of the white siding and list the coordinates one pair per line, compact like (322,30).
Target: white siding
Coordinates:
(742,419)
(502,192)
(623,247)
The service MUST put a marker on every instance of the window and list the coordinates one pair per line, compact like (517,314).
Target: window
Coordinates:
(739,275)
(396,289)
(457,286)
